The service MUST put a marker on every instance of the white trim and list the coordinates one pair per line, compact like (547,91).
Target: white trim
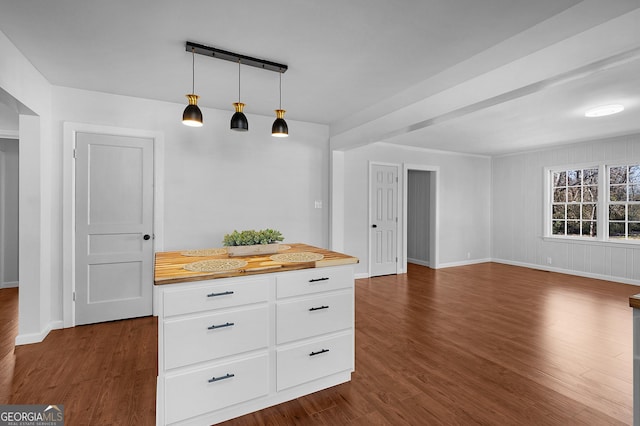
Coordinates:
(434,214)
(361,275)
(463,263)
(3,180)
(419,262)
(568,272)
(26,339)
(431,150)
(368,218)
(336,218)
(9,284)
(68,202)
(567,145)
(9,134)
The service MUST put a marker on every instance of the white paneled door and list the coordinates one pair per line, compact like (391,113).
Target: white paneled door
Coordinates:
(383,213)
(114,225)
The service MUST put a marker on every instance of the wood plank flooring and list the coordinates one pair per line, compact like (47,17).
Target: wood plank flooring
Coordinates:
(482,344)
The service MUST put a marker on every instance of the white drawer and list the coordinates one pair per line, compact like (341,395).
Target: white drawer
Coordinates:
(312,316)
(194,393)
(309,361)
(215,296)
(211,336)
(314,281)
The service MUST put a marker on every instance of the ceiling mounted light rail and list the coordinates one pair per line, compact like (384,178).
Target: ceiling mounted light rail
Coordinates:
(239,121)
(213,52)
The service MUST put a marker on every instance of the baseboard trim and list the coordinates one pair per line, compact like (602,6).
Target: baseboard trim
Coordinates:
(27,339)
(361,276)
(620,280)
(419,262)
(463,263)
(9,284)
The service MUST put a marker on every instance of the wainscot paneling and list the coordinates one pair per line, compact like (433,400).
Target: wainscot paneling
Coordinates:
(518,212)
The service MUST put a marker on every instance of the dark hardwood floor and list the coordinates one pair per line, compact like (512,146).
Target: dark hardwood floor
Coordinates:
(482,344)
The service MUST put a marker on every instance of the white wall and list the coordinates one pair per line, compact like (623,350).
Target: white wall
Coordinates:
(9,214)
(217,180)
(518,209)
(463,206)
(29,94)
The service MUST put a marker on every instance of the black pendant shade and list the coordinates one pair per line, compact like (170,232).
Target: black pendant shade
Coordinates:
(280,128)
(192,116)
(239,121)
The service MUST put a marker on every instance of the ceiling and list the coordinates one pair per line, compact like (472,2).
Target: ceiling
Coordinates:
(443,74)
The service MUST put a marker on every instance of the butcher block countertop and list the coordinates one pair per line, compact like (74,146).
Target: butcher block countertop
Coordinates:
(634,301)
(169,266)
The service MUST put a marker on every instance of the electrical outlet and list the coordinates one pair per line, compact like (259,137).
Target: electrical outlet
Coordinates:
(468,255)
(318,204)
(548,260)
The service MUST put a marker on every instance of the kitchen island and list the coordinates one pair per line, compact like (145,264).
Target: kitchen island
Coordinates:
(239,334)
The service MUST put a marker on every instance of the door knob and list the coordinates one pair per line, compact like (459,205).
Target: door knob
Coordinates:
(374,226)
(146,237)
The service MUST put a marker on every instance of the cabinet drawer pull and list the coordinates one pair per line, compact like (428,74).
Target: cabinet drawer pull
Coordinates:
(224,293)
(216,379)
(213,327)
(313,280)
(319,352)
(318,308)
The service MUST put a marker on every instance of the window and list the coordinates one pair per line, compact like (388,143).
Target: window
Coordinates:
(624,202)
(575,195)
(574,202)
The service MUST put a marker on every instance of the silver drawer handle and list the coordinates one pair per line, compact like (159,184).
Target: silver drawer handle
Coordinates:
(213,327)
(219,294)
(314,280)
(216,379)
(319,352)
(318,308)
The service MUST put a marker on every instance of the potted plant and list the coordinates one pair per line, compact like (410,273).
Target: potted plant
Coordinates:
(250,242)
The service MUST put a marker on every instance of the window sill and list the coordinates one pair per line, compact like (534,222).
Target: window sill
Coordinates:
(582,240)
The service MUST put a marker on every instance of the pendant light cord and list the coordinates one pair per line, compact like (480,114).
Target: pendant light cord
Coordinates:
(238,80)
(280,90)
(193,71)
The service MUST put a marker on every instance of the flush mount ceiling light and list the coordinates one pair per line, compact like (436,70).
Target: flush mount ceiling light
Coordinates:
(604,110)
(239,120)
(192,116)
(280,128)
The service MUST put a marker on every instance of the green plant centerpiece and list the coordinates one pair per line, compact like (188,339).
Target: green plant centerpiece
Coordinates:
(251,242)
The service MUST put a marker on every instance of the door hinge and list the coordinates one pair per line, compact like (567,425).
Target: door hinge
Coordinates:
(74,296)
(74,153)
(396,220)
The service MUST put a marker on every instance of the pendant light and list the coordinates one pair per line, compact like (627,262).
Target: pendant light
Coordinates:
(280,128)
(192,116)
(239,120)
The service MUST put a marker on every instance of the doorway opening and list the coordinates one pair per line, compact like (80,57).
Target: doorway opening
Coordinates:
(420,216)
(9,163)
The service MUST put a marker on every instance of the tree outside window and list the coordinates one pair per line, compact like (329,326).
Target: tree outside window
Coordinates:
(574,202)
(624,202)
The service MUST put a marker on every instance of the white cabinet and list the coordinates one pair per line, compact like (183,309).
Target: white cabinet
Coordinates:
(231,346)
